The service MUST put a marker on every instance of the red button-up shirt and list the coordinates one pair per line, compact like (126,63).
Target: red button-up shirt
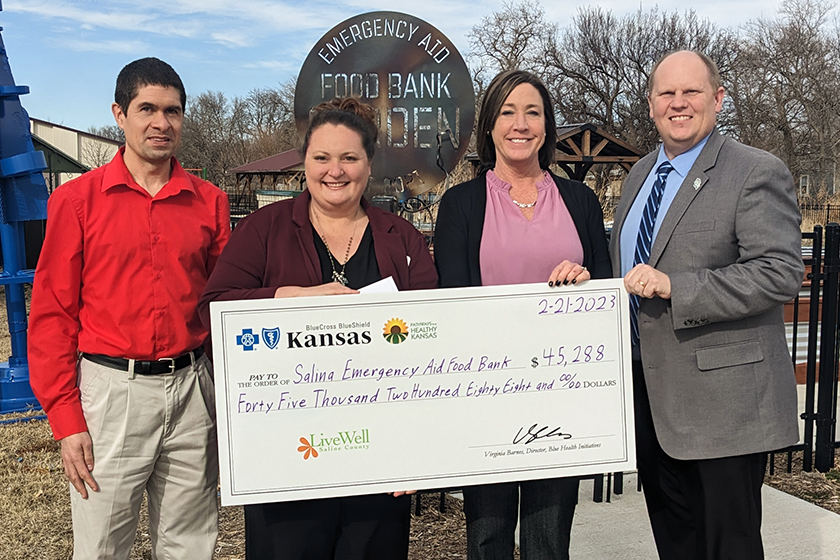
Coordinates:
(120,274)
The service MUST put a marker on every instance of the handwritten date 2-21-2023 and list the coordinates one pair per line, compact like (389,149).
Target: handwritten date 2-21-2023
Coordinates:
(577,304)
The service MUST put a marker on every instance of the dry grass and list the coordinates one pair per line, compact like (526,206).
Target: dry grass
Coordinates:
(35,505)
(436,535)
(35,502)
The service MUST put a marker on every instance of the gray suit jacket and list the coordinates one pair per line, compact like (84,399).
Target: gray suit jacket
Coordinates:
(715,359)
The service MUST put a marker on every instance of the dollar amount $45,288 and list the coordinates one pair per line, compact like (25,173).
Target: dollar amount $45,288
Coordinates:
(580,354)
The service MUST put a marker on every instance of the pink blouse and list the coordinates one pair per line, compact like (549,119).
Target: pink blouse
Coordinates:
(515,250)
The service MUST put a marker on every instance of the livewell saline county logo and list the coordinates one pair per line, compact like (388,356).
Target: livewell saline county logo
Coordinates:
(350,440)
(249,341)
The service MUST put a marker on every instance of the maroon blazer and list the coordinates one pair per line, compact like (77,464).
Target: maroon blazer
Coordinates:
(274,247)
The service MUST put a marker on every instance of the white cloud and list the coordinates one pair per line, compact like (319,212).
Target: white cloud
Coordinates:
(273,14)
(284,65)
(65,10)
(129,47)
(117,15)
(230,39)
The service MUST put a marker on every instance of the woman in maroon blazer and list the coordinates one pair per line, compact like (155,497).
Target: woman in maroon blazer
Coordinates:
(326,241)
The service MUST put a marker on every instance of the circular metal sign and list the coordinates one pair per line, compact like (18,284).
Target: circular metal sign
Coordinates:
(416,80)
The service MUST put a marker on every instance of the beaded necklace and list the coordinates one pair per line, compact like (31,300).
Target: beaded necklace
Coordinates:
(337,275)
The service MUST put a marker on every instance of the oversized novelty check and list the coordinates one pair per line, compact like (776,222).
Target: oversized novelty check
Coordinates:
(359,394)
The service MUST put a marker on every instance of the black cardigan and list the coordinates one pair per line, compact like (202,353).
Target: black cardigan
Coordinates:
(460,223)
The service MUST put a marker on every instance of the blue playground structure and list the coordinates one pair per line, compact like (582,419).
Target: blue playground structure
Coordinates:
(23,197)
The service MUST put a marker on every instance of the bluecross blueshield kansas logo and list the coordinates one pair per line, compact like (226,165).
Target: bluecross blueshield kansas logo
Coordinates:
(271,337)
(247,340)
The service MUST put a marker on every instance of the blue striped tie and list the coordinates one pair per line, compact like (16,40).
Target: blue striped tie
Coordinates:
(645,239)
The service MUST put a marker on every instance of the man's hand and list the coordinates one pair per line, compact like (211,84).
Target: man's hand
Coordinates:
(647,282)
(77,457)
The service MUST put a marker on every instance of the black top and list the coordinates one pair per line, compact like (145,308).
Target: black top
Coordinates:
(460,223)
(362,268)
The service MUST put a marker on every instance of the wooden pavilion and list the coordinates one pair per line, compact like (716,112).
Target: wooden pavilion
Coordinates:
(264,181)
(580,146)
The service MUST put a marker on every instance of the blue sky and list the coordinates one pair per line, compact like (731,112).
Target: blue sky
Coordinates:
(70,51)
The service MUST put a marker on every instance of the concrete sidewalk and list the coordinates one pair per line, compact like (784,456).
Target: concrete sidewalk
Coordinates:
(619,530)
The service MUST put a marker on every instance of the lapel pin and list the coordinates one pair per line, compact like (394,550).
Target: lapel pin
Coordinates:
(697,183)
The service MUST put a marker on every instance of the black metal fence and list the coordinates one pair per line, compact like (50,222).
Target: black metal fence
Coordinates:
(822,261)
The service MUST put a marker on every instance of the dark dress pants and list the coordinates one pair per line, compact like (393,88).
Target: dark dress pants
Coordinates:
(546,509)
(373,527)
(708,509)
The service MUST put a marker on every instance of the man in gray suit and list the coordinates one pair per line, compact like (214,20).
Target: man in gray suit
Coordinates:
(707,239)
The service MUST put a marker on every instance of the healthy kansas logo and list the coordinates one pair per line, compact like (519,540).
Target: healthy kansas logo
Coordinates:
(307,449)
(247,340)
(271,337)
(395,331)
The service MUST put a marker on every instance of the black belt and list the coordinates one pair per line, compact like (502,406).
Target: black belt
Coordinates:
(158,367)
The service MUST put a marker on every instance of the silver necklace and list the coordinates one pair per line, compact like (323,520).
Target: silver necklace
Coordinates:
(337,275)
(523,205)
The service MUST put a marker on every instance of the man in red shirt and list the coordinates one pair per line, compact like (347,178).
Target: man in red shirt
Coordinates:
(115,343)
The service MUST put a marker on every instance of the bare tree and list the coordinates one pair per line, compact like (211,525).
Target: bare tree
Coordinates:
(597,69)
(94,152)
(509,39)
(784,89)
(111,131)
(271,120)
(215,135)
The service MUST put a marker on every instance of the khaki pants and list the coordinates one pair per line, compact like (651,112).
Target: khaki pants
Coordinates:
(154,433)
